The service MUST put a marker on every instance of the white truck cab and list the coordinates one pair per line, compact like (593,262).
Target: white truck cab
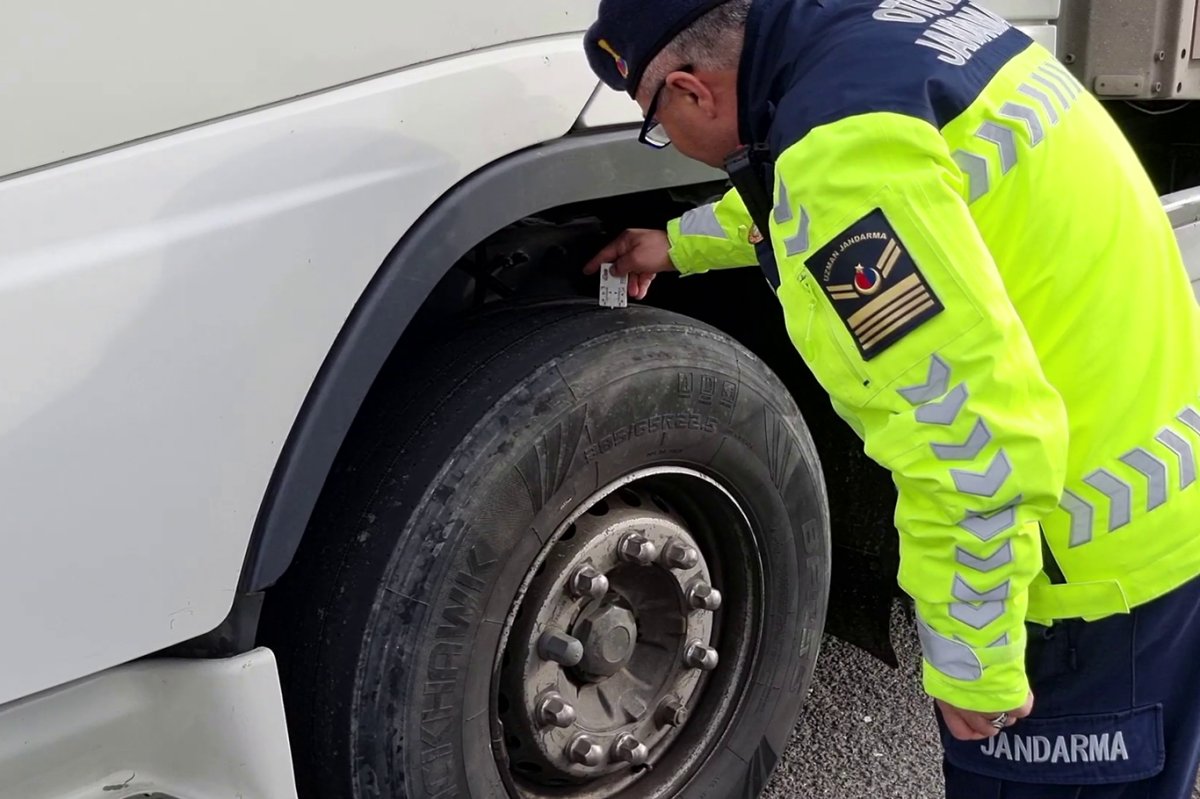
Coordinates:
(320,475)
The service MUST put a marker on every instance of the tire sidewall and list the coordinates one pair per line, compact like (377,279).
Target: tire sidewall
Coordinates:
(425,672)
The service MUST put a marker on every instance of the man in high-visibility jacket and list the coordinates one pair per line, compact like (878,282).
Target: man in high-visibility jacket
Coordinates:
(973,263)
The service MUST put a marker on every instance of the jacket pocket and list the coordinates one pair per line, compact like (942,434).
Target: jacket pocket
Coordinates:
(1095,749)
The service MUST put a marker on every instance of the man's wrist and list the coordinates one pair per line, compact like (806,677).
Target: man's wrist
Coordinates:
(1000,688)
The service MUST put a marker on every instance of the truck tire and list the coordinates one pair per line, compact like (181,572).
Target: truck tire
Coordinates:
(575,553)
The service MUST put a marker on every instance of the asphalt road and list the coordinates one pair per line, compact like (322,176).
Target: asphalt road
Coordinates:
(868,731)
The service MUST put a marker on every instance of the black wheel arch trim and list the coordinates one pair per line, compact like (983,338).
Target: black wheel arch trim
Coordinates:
(576,168)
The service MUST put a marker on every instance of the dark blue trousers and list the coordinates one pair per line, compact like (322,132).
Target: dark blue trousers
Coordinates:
(1116,712)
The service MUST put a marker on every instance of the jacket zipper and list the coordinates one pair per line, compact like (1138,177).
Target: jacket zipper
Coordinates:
(851,363)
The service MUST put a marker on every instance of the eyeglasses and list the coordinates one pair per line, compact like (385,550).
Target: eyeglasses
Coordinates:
(653,133)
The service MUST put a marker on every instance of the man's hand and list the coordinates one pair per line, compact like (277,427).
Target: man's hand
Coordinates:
(641,254)
(967,725)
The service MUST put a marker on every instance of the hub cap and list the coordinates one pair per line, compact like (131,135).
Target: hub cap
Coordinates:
(596,681)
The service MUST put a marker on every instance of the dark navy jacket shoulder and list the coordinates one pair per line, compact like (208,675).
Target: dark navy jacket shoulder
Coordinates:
(812,62)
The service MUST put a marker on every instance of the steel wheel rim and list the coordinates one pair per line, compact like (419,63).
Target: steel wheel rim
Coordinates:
(548,738)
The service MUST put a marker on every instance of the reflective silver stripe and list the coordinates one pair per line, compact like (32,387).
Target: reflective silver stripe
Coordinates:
(945,411)
(986,526)
(1058,73)
(983,484)
(1057,67)
(1119,496)
(1052,86)
(1024,113)
(1043,98)
(935,385)
(783,206)
(952,658)
(977,616)
(1072,81)
(1155,471)
(702,221)
(1190,418)
(1003,138)
(978,608)
(979,438)
(1183,451)
(799,242)
(1119,493)
(964,591)
(1081,513)
(1001,641)
(975,167)
(1001,557)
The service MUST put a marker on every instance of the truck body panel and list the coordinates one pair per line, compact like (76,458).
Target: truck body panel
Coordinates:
(1183,207)
(164,309)
(76,76)
(208,728)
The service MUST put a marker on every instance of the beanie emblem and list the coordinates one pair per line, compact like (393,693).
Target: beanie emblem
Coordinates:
(622,66)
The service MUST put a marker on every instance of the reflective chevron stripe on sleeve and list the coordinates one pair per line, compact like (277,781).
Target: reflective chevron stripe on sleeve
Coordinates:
(986,526)
(978,608)
(986,483)
(952,658)
(702,221)
(938,402)
(797,243)
(935,384)
(1001,557)
(945,411)
(979,438)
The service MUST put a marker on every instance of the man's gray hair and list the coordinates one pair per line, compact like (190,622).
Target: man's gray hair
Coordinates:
(713,42)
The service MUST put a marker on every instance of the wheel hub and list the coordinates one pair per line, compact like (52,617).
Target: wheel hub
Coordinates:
(608,634)
(611,644)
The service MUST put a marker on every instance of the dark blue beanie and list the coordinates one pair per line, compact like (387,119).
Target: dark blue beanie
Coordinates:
(628,34)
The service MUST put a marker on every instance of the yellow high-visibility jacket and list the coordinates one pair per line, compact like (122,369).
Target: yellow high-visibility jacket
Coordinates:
(974,264)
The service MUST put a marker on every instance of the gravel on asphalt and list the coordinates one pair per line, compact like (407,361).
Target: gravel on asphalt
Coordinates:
(867,731)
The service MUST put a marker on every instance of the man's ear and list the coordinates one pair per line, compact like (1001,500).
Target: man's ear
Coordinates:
(688,87)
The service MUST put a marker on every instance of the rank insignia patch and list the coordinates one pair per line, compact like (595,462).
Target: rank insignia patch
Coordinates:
(874,284)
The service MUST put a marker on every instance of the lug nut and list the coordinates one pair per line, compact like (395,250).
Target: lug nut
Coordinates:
(630,750)
(554,711)
(584,751)
(560,647)
(671,713)
(678,555)
(703,596)
(587,581)
(637,548)
(699,656)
